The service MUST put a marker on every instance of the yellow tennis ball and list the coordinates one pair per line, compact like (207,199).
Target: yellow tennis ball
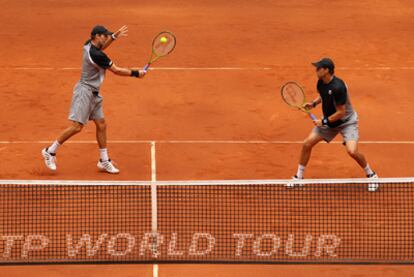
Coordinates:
(163,40)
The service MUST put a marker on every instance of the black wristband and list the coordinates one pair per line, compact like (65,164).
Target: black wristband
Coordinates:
(135,73)
(325,121)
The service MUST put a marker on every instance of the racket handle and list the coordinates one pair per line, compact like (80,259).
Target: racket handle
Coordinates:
(312,116)
(146,67)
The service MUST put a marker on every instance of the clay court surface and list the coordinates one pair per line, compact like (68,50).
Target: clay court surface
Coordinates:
(212,109)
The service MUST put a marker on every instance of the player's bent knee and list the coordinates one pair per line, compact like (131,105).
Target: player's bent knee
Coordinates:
(101,126)
(307,144)
(77,127)
(352,152)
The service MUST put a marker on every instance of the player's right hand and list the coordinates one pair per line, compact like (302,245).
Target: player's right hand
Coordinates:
(142,73)
(308,106)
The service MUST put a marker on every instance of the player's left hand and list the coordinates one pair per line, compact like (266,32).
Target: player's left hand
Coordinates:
(318,122)
(122,32)
(308,106)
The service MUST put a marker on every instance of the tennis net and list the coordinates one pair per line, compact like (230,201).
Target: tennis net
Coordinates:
(270,221)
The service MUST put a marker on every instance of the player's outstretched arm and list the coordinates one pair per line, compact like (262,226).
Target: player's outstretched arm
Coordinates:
(122,32)
(121,71)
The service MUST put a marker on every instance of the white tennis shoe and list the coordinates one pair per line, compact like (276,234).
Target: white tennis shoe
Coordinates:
(373,186)
(108,166)
(50,159)
(294,182)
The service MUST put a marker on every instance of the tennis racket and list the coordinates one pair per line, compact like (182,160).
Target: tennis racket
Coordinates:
(294,96)
(162,45)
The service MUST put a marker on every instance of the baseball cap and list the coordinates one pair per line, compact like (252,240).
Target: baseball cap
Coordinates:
(324,63)
(100,30)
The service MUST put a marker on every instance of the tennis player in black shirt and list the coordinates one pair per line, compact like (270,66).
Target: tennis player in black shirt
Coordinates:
(338,117)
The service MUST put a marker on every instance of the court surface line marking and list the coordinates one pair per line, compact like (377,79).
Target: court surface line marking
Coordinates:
(153,162)
(384,68)
(154,204)
(153,68)
(395,142)
(155,270)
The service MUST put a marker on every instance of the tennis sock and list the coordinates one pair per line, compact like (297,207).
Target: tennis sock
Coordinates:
(104,154)
(368,170)
(53,148)
(301,170)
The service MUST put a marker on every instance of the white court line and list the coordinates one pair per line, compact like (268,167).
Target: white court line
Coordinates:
(383,68)
(153,162)
(155,270)
(210,68)
(396,142)
(153,68)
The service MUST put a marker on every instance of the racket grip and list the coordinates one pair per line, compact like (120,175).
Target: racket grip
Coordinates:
(312,116)
(146,67)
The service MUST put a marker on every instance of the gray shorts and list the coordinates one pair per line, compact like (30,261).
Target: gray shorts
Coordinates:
(86,105)
(348,130)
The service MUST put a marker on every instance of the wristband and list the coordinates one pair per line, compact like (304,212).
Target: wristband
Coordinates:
(135,73)
(113,36)
(325,121)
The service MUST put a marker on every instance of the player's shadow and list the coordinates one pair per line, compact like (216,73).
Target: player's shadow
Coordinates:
(41,172)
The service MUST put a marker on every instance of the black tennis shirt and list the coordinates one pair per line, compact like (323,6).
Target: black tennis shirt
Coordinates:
(333,94)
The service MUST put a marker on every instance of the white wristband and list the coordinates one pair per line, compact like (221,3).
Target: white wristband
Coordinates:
(113,36)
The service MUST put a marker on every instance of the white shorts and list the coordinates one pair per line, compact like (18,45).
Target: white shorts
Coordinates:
(86,105)
(349,130)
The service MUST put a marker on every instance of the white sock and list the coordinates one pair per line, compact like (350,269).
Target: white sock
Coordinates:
(368,170)
(301,170)
(53,148)
(104,154)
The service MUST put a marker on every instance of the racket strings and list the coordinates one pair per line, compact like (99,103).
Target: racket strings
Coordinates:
(163,44)
(293,95)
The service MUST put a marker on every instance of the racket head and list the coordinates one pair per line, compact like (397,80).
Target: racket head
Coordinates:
(293,94)
(161,49)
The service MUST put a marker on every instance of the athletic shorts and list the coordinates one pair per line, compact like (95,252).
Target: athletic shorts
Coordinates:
(349,130)
(86,105)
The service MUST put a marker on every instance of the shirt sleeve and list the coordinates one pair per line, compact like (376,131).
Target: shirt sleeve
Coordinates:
(100,58)
(340,95)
